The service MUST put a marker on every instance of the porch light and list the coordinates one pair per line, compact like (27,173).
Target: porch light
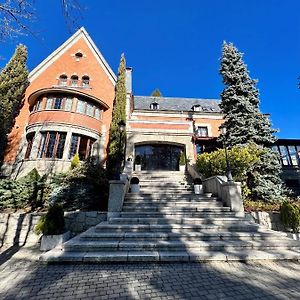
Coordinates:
(121,126)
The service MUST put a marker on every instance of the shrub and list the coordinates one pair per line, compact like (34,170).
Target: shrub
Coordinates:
(28,191)
(290,216)
(182,160)
(241,161)
(52,222)
(138,160)
(75,161)
(85,187)
(134,180)
(197,181)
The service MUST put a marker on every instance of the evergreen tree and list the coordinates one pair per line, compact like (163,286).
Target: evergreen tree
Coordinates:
(156,93)
(13,83)
(245,123)
(117,140)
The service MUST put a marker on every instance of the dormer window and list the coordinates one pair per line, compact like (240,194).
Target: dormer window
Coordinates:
(85,81)
(74,80)
(197,108)
(154,106)
(63,80)
(78,55)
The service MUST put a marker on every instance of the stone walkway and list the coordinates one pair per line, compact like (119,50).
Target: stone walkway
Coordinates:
(23,277)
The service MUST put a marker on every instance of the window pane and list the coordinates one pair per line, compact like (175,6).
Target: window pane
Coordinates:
(80,106)
(90,110)
(73,147)
(97,113)
(30,138)
(202,131)
(61,145)
(68,104)
(58,103)
(42,144)
(284,156)
(74,82)
(51,144)
(49,103)
(293,155)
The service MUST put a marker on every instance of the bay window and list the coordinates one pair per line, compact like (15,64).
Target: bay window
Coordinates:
(52,144)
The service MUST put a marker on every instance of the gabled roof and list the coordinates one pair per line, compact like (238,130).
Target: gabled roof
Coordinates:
(81,33)
(176,104)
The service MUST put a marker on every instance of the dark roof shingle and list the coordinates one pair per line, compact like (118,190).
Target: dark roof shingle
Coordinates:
(176,104)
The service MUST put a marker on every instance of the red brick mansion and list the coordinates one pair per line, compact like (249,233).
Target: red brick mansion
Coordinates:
(68,110)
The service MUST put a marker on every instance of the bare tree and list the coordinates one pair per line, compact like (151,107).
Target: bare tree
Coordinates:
(16,16)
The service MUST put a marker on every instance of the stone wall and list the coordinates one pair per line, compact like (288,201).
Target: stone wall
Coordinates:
(79,221)
(18,228)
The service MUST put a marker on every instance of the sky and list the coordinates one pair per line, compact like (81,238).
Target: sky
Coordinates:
(176,46)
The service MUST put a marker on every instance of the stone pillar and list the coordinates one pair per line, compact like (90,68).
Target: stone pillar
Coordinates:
(117,190)
(232,196)
(67,145)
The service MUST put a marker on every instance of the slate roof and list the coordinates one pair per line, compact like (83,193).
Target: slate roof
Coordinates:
(176,104)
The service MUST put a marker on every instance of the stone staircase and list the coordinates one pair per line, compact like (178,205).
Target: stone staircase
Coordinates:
(166,221)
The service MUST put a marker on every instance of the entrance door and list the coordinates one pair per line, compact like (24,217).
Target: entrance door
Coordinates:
(159,156)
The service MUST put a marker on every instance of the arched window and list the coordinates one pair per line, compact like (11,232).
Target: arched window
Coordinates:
(85,81)
(74,80)
(63,80)
(154,106)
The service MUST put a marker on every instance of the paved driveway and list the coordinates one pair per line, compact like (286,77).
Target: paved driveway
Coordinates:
(22,277)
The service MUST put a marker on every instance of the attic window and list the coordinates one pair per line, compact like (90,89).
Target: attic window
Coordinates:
(85,81)
(197,108)
(78,55)
(63,80)
(74,80)
(154,106)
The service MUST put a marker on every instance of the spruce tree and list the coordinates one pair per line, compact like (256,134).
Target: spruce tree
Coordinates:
(245,123)
(156,93)
(13,83)
(116,146)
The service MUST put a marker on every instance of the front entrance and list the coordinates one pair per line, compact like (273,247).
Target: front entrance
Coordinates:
(159,156)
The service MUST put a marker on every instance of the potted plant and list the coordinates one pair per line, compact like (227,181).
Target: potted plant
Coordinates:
(138,163)
(52,226)
(198,186)
(134,185)
(182,162)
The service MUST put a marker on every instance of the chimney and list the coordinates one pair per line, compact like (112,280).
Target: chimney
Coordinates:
(129,80)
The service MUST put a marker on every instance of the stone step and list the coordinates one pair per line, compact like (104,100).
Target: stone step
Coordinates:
(175,220)
(174,208)
(178,228)
(166,184)
(87,246)
(177,214)
(166,195)
(185,236)
(172,202)
(59,256)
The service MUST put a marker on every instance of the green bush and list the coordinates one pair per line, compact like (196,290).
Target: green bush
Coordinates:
(52,222)
(182,160)
(290,216)
(28,191)
(75,161)
(85,187)
(241,160)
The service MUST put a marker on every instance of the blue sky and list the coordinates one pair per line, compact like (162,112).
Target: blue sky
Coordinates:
(176,46)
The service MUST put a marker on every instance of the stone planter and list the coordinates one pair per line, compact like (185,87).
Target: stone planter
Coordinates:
(198,189)
(134,188)
(182,168)
(208,194)
(49,242)
(138,168)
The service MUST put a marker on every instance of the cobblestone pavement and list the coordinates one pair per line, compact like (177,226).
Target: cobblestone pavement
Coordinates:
(22,277)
